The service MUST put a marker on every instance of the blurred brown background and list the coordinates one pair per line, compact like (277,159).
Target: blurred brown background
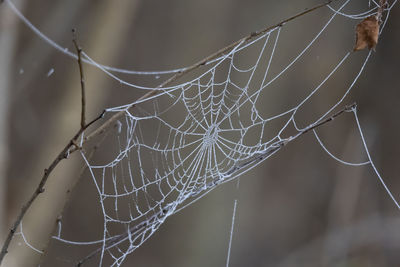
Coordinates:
(299,208)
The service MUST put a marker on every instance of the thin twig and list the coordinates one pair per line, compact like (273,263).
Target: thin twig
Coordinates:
(198,64)
(382,5)
(348,108)
(83,94)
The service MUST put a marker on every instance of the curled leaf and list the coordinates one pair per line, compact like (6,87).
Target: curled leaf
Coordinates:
(367,32)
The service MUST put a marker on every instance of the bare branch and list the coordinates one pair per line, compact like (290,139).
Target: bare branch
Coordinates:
(382,5)
(83,94)
(348,108)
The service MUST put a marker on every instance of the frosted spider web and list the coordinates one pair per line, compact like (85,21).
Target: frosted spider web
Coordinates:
(205,131)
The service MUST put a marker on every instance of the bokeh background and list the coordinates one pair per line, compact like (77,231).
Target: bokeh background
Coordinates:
(299,208)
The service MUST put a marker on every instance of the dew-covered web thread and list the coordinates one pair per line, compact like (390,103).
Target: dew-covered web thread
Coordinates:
(178,145)
(204,132)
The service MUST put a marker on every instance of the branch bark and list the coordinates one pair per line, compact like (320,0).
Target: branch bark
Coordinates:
(83,94)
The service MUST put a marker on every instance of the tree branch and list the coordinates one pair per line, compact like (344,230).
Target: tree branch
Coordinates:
(83,94)
(348,108)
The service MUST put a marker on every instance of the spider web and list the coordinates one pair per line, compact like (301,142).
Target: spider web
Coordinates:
(176,146)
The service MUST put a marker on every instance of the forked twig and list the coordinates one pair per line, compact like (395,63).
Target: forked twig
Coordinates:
(72,144)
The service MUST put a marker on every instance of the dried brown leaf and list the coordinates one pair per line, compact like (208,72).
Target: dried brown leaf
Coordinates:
(367,32)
